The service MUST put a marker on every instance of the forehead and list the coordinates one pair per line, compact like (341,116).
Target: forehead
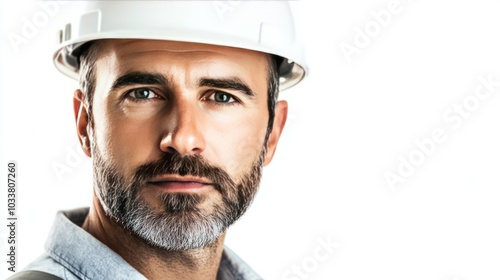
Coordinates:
(191,59)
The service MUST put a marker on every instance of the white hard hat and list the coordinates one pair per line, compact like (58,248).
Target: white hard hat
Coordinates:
(265,26)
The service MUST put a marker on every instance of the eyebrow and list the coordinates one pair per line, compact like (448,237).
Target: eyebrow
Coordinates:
(145,78)
(136,78)
(233,83)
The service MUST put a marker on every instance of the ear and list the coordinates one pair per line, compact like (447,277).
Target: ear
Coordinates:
(281,112)
(82,121)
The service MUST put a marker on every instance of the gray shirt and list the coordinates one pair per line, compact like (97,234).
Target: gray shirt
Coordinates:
(72,253)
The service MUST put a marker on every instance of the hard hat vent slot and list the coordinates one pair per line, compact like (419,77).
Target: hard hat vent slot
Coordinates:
(67,32)
(60,34)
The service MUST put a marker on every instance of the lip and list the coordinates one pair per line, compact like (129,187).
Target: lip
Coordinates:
(177,183)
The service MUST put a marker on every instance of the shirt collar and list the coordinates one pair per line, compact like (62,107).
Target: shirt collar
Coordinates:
(88,258)
(81,253)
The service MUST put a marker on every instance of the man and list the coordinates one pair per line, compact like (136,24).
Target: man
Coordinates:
(177,109)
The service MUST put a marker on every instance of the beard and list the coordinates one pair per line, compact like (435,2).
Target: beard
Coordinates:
(180,224)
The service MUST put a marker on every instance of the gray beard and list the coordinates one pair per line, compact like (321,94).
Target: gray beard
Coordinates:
(181,225)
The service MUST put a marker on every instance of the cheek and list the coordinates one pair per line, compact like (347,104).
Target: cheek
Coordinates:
(239,141)
(127,138)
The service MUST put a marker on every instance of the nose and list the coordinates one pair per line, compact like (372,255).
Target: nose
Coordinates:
(183,134)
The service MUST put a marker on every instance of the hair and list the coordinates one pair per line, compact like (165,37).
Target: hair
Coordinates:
(90,54)
(87,60)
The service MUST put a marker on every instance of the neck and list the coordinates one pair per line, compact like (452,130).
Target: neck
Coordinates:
(153,262)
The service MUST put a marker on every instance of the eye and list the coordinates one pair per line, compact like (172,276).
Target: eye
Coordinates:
(141,94)
(221,97)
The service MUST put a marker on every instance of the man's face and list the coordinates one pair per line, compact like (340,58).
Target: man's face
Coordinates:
(178,137)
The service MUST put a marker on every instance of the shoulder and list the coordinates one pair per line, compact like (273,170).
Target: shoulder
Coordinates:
(33,275)
(234,268)
(48,266)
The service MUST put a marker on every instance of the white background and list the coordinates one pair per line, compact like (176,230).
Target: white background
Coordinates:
(349,124)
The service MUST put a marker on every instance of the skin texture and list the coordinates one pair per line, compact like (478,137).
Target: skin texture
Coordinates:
(226,127)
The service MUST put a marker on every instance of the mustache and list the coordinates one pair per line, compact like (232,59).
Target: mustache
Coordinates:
(193,165)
